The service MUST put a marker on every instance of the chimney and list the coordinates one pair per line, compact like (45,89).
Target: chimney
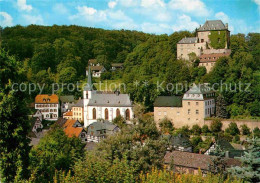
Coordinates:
(226,25)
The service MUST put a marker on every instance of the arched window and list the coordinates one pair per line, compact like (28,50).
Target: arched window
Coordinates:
(94,112)
(117,112)
(106,114)
(127,114)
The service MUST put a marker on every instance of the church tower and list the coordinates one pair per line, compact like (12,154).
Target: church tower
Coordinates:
(87,95)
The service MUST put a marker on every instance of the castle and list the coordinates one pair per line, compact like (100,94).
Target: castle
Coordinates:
(212,41)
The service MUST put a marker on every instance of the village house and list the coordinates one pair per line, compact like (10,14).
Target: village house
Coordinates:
(48,106)
(66,103)
(73,128)
(191,163)
(105,105)
(38,114)
(78,110)
(197,104)
(117,66)
(209,60)
(68,115)
(36,124)
(180,143)
(100,129)
(96,68)
(202,43)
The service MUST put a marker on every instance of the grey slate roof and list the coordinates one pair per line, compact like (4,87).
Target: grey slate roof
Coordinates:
(199,89)
(105,127)
(212,25)
(168,101)
(79,103)
(110,99)
(68,98)
(180,141)
(188,40)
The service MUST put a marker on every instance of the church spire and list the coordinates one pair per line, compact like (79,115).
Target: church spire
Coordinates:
(89,85)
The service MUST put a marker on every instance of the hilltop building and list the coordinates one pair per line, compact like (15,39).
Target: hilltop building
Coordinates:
(96,68)
(211,38)
(104,105)
(48,105)
(196,104)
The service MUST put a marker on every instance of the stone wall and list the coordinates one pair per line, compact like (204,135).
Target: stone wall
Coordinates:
(250,124)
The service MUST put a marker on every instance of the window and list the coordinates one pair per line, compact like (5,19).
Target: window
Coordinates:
(94,113)
(202,40)
(188,103)
(117,112)
(197,103)
(127,114)
(188,111)
(106,114)
(197,111)
(165,113)
(206,111)
(178,113)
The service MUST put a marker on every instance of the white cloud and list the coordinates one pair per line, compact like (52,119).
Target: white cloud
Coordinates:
(60,8)
(33,19)
(89,14)
(258,3)
(222,16)
(152,3)
(196,7)
(156,28)
(7,19)
(129,3)
(23,6)
(184,22)
(112,4)
(118,15)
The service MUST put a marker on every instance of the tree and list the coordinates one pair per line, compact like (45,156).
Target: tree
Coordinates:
(216,126)
(119,121)
(14,144)
(232,129)
(195,142)
(205,129)
(166,126)
(256,132)
(55,151)
(221,111)
(196,130)
(250,169)
(245,130)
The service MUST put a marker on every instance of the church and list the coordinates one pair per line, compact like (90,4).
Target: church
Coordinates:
(105,105)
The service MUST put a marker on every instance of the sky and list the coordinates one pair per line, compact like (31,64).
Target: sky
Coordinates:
(150,16)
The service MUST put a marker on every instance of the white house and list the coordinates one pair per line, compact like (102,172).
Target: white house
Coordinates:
(66,103)
(48,106)
(104,105)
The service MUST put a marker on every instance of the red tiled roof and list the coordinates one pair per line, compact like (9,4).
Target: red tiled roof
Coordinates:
(48,99)
(193,160)
(69,113)
(212,57)
(71,131)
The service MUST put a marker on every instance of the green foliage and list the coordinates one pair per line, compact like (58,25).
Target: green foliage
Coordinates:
(205,129)
(256,132)
(196,130)
(55,151)
(245,130)
(166,126)
(106,76)
(216,126)
(232,129)
(236,139)
(119,121)
(195,141)
(14,143)
(221,107)
(218,39)
(183,130)
(250,169)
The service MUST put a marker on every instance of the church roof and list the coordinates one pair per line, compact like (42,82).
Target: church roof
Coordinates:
(212,25)
(79,103)
(89,86)
(110,99)
(188,40)
(168,101)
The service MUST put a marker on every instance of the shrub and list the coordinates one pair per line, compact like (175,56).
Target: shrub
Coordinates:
(256,132)
(232,129)
(216,126)
(205,129)
(245,130)
(236,139)
(196,130)
(166,126)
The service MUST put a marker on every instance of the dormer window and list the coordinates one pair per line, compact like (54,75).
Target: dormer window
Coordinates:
(48,100)
(44,100)
(87,95)
(108,101)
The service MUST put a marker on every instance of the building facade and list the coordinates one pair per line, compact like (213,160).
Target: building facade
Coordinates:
(78,111)
(96,68)
(66,103)
(196,104)
(48,106)
(105,105)
(212,37)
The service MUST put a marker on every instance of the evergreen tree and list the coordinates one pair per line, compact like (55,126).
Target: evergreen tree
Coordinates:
(221,104)
(14,144)
(250,169)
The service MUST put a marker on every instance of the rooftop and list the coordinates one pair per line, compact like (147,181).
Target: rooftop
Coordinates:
(70,130)
(199,89)
(48,99)
(92,61)
(68,113)
(187,40)
(79,103)
(213,25)
(212,57)
(168,101)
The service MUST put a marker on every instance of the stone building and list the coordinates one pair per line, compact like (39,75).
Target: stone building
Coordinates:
(105,105)
(213,37)
(196,104)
